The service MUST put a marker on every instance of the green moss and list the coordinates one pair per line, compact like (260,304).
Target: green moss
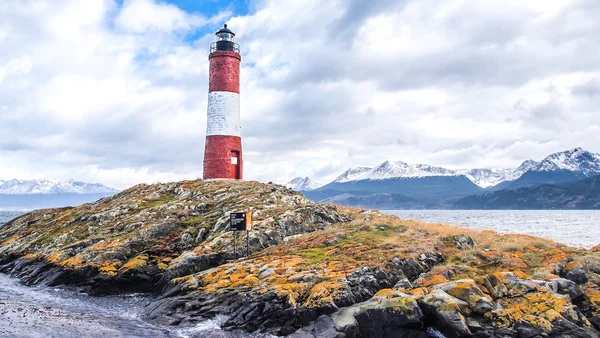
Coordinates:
(315,255)
(541,246)
(166,198)
(513,249)
(455,259)
(193,220)
(531,259)
(193,231)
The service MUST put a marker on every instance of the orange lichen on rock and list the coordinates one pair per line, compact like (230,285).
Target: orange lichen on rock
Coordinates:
(135,262)
(74,262)
(540,309)
(109,268)
(431,279)
(322,295)
(30,256)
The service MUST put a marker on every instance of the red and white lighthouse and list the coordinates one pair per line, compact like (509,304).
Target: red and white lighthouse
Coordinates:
(223,150)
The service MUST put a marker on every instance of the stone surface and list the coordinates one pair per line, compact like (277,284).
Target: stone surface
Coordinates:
(463,242)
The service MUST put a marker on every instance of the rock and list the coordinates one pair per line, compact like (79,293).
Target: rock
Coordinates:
(468,291)
(576,273)
(158,230)
(388,314)
(526,330)
(266,272)
(449,312)
(187,241)
(463,242)
(566,287)
(403,283)
(324,327)
(202,233)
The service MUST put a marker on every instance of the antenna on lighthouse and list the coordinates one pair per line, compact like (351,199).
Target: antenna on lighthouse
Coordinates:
(223,149)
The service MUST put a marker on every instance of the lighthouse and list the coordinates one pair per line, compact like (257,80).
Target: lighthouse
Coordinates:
(223,150)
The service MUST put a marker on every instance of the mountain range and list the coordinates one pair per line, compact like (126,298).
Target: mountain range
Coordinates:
(27,187)
(33,194)
(395,184)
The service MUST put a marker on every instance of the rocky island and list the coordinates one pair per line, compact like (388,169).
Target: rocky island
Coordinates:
(313,270)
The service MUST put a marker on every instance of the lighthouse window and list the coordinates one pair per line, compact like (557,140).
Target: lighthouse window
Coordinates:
(225,37)
(234,160)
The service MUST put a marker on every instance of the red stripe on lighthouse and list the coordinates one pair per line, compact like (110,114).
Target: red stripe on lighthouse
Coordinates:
(224,72)
(223,157)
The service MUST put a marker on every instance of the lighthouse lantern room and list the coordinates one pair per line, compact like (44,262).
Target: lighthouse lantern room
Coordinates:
(223,150)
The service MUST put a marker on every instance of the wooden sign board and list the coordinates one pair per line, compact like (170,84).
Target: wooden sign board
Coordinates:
(239,221)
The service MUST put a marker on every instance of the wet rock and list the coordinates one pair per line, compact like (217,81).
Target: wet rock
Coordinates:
(388,314)
(526,330)
(322,327)
(449,312)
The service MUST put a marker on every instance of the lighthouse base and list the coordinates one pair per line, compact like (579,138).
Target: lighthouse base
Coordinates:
(223,157)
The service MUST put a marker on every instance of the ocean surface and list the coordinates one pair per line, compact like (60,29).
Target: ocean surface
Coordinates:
(6,216)
(579,228)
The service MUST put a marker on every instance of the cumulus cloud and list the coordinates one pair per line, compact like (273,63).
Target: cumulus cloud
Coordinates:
(117,93)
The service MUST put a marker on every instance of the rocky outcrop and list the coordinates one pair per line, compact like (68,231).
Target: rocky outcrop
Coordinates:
(145,236)
(312,270)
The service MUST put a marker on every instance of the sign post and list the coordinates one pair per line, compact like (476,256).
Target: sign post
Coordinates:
(239,221)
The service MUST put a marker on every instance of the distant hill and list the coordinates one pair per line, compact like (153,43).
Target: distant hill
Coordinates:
(426,189)
(580,194)
(365,199)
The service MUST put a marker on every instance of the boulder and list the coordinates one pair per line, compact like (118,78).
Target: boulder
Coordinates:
(388,314)
(566,287)
(576,273)
(463,242)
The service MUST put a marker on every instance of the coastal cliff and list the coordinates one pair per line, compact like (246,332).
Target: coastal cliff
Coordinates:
(313,271)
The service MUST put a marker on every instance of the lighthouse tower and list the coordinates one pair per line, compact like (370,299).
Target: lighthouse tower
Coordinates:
(223,150)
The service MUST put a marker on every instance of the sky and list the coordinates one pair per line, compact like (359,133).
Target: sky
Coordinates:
(115,91)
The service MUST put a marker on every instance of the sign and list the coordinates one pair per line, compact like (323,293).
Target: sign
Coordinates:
(239,221)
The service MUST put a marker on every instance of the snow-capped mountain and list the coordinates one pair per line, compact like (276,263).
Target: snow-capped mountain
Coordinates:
(577,159)
(560,167)
(302,184)
(29,187)
(351,174)
(390,170)
(488,177)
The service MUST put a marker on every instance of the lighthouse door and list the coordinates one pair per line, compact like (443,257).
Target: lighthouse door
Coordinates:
(235,165)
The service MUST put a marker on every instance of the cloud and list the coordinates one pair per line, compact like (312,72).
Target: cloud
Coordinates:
(117,93)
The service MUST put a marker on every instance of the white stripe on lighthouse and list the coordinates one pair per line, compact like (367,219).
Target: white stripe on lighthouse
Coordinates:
(223,114)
